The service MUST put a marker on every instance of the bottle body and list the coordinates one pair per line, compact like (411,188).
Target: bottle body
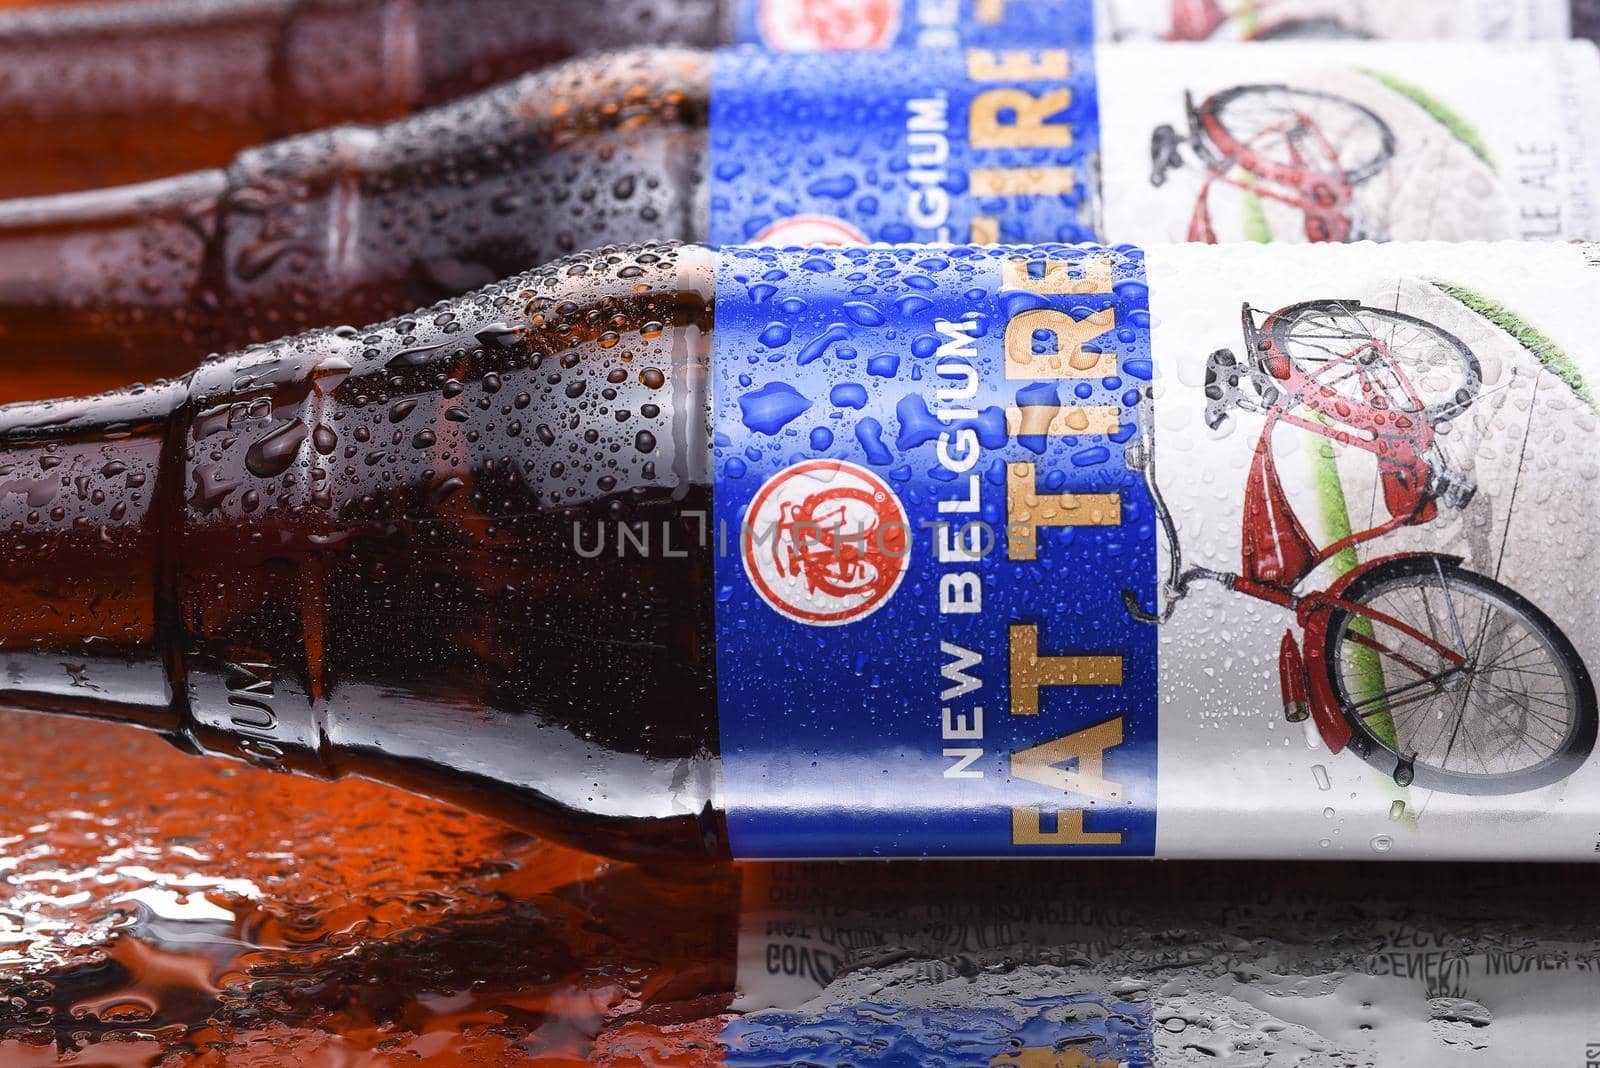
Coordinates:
(116,94)
(353,225)
(357,224)
(869,551)
(128,93)
(352,554)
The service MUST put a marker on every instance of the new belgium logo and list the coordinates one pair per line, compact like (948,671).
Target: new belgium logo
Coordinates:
(826,543)
(829,25)
(811,231)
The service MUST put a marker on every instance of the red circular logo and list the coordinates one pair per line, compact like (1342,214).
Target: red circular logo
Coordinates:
(811,231)
(826,543)
(829,25)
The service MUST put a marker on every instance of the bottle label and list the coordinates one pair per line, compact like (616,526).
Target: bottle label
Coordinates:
(930,147)
(1281,20)
(877,25)
(1342,142)
(1056,551)
(1327,142)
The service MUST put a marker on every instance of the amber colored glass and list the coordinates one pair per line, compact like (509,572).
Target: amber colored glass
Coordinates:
(352,552)
(164,910)
(114,94)
(101,289)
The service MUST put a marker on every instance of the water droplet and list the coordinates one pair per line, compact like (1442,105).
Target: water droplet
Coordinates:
(772,407)
(272,454)
(1405,772)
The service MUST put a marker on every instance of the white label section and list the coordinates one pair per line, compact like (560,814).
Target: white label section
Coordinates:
(1339,142)
(1433,408)
(1276,20)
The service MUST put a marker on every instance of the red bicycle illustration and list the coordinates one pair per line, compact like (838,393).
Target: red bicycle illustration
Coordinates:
(1428,671)
(1258,20)
(1306,149)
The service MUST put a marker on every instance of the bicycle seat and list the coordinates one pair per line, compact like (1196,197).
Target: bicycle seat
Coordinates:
(1165,156)
(1224,379)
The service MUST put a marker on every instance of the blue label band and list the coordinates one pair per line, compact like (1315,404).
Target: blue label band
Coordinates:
(926,521)
(876,25)
(948,147)
(1033,1031)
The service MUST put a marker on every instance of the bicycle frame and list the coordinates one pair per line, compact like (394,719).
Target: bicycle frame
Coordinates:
(1277,550)
(1323,193)
(1199,20)
(1278,555)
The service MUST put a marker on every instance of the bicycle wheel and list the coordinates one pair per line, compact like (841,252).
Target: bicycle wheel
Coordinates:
(1305,124)
(1517,715)
(1389,350)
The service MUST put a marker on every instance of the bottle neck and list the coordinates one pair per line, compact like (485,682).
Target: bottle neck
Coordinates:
(84,577)
(468,45)
(138,283)
(116,274)
(355,552)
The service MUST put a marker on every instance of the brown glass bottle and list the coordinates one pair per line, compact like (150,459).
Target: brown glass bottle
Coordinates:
(352,225)
(112,94)
(121,93)
(351,553)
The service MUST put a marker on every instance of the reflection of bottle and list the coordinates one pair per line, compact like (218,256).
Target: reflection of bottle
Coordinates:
(983,963)
(671,552)
(357,224)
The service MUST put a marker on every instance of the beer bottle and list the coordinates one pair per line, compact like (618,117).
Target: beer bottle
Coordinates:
(959,551)
(1152,143)
(118,94)
(114,94)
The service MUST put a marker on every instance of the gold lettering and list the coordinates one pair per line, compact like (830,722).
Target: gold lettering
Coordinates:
(1024,182)
(1031,672)
(1087,749)
(1055,421)
(1029,114)
(1027,829)
(1027,510)
(1057,277)
(991,12)
(1050,1057)
(1050,64)
(1069,360)
(985,230)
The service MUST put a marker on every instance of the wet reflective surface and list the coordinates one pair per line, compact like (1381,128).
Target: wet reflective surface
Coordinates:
(153,904)
(159,909)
